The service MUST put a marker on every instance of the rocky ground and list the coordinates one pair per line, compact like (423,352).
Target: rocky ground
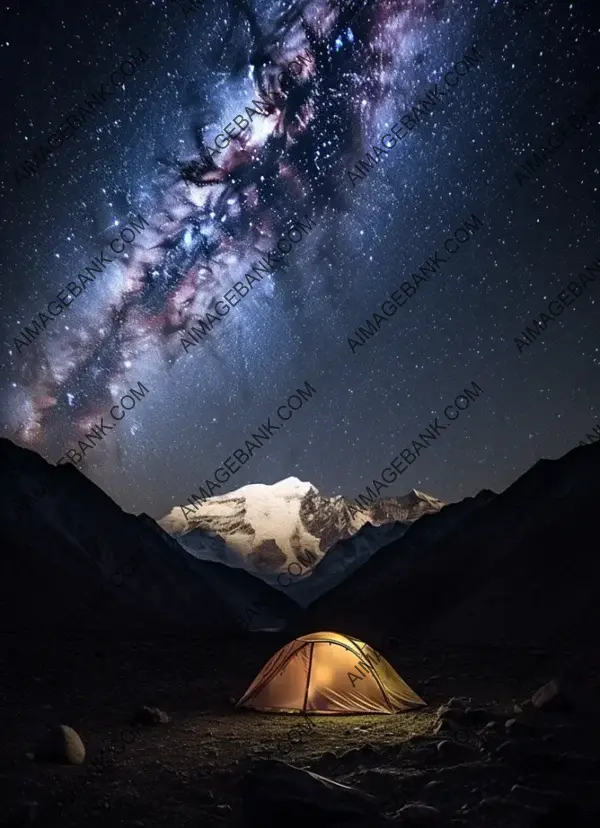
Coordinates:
(470,759)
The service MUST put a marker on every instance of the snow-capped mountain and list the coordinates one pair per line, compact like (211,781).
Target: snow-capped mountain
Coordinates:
(265,528)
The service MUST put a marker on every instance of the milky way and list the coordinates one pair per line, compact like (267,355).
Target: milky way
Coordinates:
(210,225)
(214,206)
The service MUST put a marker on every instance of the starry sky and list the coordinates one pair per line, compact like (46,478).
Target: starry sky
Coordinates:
(205,62)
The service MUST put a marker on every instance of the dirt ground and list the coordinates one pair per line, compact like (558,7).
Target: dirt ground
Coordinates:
(191,766)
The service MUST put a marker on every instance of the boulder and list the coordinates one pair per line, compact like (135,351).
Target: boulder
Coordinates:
(149,716)
(515,727)
(275,792)
(479,716)
(535,796)
(528,758)
(443,728)
(419,814)
(509,751)
(61,744)
(551,698)
(456,714)
(491,729)
(460,701)
(449,751)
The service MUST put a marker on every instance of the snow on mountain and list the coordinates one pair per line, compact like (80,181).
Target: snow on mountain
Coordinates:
(265,528)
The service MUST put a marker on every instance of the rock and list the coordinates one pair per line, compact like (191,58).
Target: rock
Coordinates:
(509,751)
(534,796)
(442,728)
(490,729)
(61,744)
(448,712)
(453,729)
(449,751)
(417,813)
(517,728)
(353,754)
(551,698)
(417,739)
(527,758)
(478,716)
(149,716)
(274,791)
(460,701)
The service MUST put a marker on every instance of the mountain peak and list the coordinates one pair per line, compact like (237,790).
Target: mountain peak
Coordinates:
(288,487)
(423,496)
(266,527)
(293,486)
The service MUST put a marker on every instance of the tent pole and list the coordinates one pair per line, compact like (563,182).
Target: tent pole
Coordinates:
(310,660)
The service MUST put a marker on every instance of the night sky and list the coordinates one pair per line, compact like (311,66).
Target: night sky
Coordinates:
(199,70)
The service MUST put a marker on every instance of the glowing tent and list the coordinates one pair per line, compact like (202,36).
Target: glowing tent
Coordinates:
(329,673)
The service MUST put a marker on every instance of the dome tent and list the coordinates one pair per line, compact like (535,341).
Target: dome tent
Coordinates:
(329,673)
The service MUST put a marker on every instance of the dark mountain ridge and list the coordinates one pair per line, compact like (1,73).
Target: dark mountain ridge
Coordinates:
(412,539)
(73,556)
(516,567)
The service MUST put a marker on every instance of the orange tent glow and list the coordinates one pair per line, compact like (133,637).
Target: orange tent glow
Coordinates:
(329,673)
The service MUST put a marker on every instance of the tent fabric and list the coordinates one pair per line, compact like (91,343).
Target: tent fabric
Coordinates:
(329,673)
